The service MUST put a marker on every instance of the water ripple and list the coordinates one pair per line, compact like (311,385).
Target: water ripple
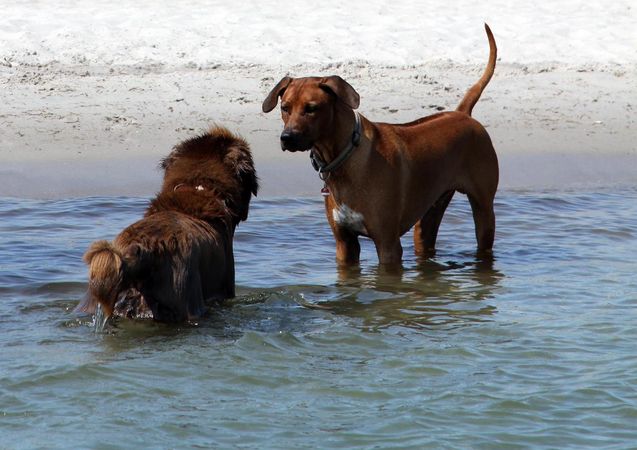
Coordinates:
(534,349)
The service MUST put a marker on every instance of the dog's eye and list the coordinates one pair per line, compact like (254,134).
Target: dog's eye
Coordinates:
(285,108)
(311,107)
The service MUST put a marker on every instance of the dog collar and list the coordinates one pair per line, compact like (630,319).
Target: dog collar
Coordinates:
(323,168)
(182,186)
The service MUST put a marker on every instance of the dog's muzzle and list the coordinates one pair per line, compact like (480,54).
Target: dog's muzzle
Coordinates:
(294,142)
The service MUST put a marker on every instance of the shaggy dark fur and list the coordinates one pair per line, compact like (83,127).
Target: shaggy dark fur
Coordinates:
(179,256)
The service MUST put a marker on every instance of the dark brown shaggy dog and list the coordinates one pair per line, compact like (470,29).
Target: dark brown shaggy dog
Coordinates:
(180,254)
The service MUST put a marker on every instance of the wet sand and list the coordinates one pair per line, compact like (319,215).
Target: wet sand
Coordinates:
(68,131)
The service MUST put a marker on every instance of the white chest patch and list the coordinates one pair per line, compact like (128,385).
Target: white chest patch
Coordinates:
(348,218)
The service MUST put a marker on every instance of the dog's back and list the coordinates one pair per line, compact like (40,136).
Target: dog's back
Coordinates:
(177,262)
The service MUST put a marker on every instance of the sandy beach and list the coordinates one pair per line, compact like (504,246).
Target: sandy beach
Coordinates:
(89,106)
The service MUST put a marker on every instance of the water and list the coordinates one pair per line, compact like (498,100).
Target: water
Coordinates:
(536,350)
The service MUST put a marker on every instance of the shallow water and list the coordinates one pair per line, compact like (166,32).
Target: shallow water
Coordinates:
(536,350)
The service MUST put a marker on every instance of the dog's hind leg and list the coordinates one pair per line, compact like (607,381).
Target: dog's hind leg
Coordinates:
(193,295)
(484,219)
(481,185)
(426,229)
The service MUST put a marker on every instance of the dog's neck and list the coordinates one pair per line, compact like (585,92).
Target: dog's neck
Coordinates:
(331,154)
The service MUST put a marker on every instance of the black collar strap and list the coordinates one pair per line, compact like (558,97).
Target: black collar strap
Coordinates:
(323,168)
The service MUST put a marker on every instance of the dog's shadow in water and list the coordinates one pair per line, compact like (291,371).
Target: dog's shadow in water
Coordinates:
(429,294)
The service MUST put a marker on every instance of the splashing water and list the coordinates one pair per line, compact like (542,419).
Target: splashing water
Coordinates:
(99,320)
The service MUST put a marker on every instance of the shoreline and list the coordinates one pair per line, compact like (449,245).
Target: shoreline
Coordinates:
(535,172)
(78,131)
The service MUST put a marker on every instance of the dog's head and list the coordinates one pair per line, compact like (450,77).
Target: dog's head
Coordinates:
(212,169)
(308,108)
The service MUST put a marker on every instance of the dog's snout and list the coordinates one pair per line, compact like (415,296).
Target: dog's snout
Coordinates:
(291,140)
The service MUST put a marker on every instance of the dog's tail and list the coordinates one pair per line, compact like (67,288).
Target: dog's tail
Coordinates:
(106,274)
(473,95)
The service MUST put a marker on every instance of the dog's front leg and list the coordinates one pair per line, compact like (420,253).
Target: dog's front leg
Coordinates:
(348,249)
(389,250)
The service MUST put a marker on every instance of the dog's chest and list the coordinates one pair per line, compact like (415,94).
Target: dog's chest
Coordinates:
(346,217)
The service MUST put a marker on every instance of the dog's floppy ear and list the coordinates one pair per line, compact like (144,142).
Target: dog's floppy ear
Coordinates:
(273,97)
(239,159)
(342,90)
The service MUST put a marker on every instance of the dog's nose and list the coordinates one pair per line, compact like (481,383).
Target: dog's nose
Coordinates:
(290,140)
(288,137)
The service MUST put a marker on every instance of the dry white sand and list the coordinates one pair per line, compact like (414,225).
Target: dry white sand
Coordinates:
(88,106)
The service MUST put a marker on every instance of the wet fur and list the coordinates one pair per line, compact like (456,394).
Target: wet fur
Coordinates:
(179,257)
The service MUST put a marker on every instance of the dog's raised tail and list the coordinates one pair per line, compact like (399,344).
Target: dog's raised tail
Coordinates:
(473,95)
(106,273)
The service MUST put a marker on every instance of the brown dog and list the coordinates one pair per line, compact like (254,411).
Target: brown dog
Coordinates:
(382,179)
(180,254)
